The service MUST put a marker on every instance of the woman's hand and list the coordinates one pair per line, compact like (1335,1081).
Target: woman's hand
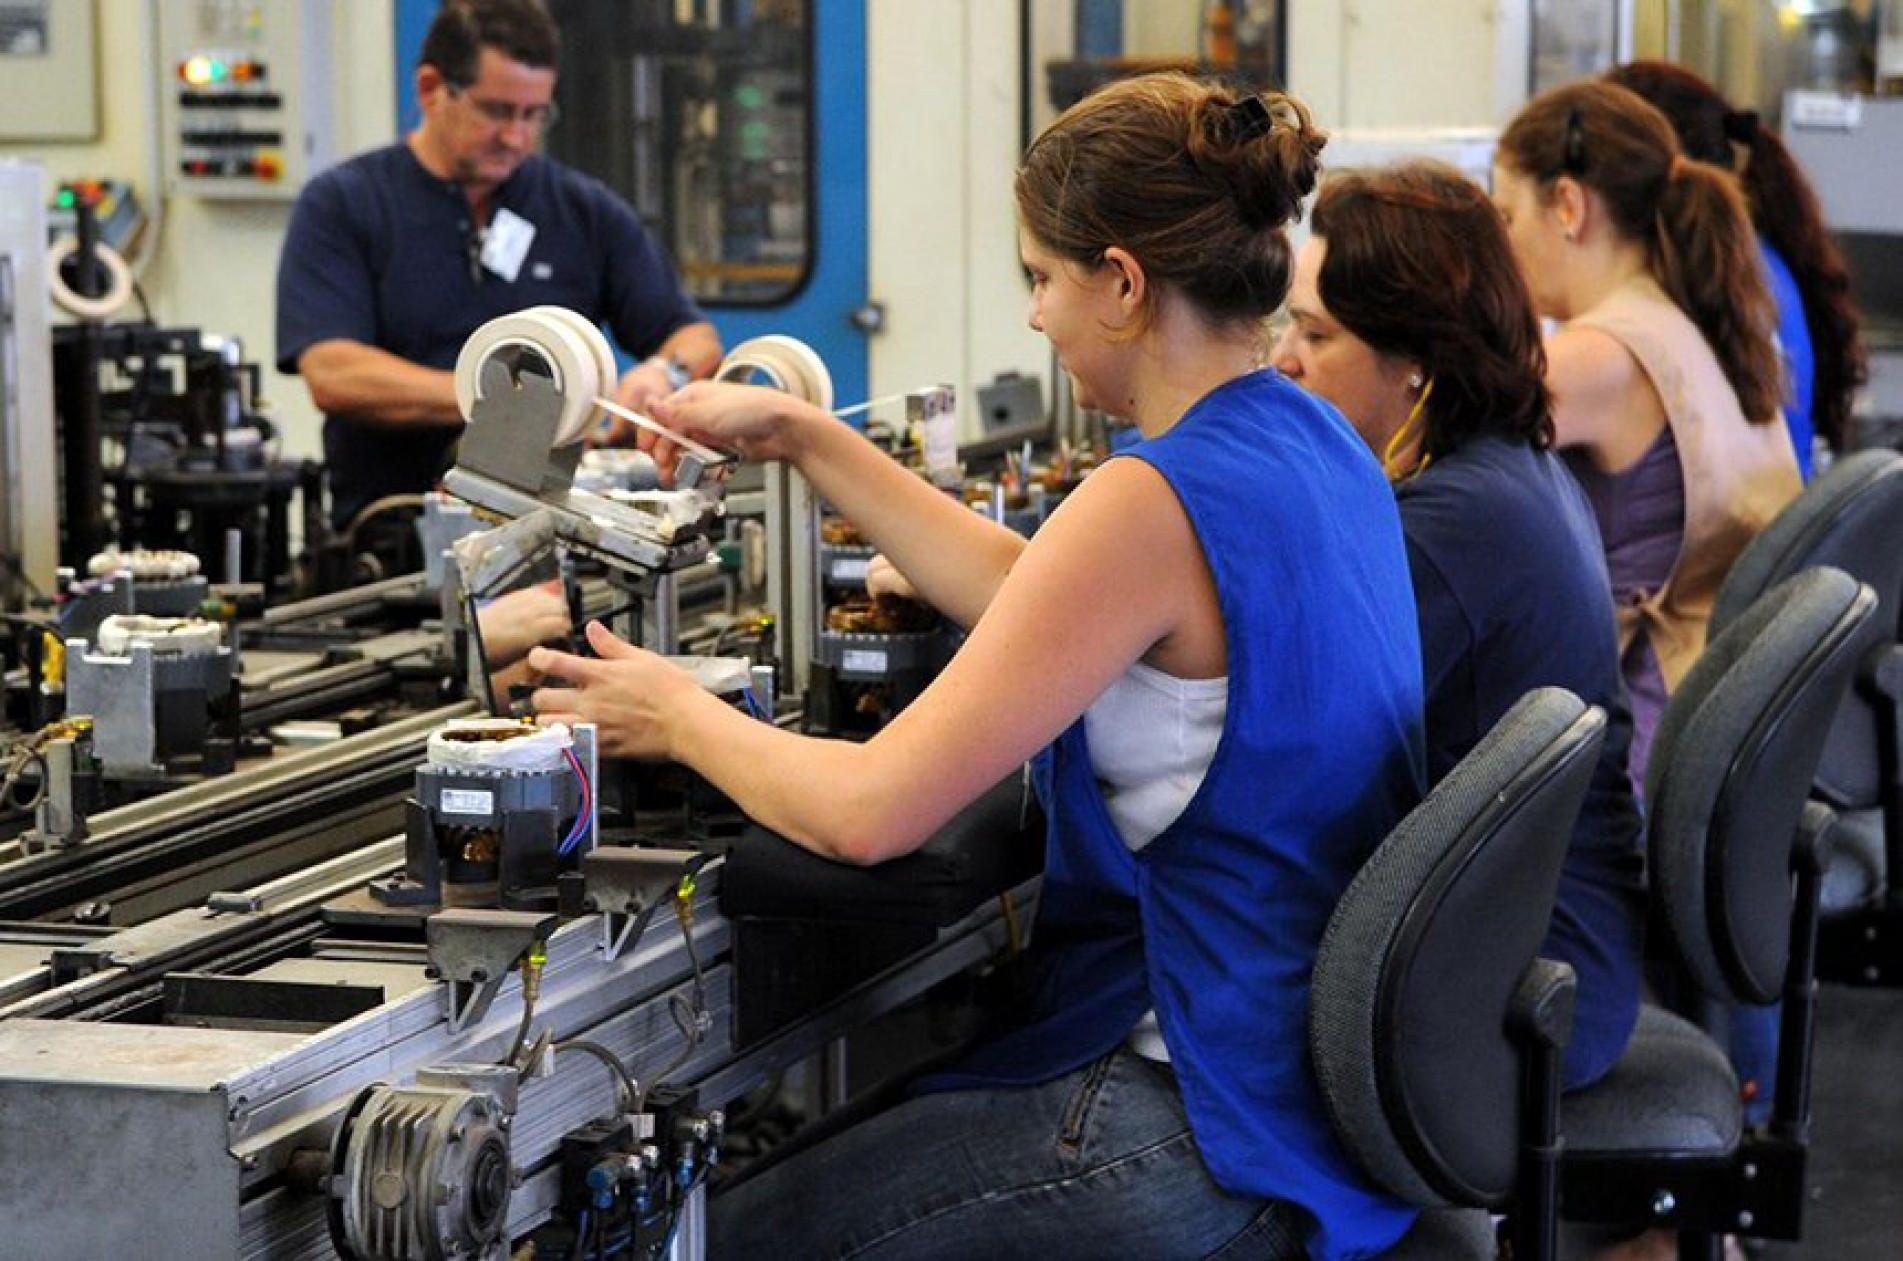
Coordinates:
(630,694)
(518,620)
(884,578)
(758,422)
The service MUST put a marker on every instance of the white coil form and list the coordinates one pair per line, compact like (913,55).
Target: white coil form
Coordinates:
(166,636)
(497,744)
(158,564)
(583,364)
(70,300)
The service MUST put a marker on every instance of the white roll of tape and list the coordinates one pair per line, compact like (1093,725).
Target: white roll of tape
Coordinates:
(606,370)
(70,300)
(786,362)
(571,349)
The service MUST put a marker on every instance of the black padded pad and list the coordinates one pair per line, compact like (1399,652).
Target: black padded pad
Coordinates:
(994,844)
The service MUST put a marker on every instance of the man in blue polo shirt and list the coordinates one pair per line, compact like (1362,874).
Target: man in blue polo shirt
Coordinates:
(393,258)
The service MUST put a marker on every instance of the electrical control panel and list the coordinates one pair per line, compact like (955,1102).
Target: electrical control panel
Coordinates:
(247,102)
(117,213)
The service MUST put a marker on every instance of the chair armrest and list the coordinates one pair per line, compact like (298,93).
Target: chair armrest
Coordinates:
(1543,1004)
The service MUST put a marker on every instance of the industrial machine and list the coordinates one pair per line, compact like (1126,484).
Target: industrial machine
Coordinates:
(501,808)
(873,654)
(164,447)
(522,1023)
(29,523)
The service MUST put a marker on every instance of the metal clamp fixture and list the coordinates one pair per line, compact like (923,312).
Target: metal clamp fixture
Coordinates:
(626,885)
(471,951)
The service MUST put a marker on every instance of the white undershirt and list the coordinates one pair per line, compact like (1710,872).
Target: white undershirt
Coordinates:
(1152,737)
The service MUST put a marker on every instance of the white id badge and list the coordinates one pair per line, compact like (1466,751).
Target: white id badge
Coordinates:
(507,243)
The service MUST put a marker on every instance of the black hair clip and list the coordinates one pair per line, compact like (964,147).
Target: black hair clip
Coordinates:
(1249,118)
(1573,157)
(1741,125)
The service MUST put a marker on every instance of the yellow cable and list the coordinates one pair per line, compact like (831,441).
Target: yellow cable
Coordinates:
(1405,432)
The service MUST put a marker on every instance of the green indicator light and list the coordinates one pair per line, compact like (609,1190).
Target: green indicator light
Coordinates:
(750,96)
(66,199)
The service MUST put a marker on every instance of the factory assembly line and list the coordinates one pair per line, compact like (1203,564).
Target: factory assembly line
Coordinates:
(308,948)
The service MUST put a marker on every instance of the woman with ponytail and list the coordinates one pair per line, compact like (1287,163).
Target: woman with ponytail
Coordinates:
(1665,379)
(1169,650)
(1817,326)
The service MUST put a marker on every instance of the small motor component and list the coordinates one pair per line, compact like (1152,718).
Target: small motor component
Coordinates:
(153,582)
(155,688)
(500,809)
(873,654)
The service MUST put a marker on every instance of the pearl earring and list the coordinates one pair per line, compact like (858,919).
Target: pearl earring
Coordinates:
(1414,381)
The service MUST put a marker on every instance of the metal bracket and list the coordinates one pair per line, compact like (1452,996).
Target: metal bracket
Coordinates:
(625,885)
(472,951)
(507,466)
(501,1082)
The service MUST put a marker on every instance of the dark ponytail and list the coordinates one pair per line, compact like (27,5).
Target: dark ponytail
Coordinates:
(1784,208)
(1706,258)
(1690,217)
(1787,212)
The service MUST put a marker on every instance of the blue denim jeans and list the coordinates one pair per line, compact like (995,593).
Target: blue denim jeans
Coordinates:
(1098,1163)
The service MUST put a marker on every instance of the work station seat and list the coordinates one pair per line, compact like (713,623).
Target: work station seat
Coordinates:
(1736,852)
(1435,1031)
(1851,518)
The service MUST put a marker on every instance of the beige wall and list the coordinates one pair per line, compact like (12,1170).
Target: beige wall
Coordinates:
(942,88)
(1387,65)
(216,261)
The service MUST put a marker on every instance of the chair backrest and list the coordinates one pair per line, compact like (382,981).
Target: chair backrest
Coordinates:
(1731,768)
(1851,518)
(1419,965)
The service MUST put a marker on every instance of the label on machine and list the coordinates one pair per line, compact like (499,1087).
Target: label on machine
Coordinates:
(849,569)
(863,660)
(467,801)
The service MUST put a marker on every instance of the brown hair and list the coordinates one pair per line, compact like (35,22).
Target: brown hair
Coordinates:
(1784,207)
(520,30)
(1193,178)
(1419,266)
(1690,217)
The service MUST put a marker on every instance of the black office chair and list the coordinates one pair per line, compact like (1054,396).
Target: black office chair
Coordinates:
(1435,1031)
(1736,856)
(1851,517)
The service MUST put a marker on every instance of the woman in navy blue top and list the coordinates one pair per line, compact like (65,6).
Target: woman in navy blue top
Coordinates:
(1408,312)
(1209,648)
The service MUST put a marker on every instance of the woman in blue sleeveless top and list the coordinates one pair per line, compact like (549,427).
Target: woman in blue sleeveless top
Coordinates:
(1210,649)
